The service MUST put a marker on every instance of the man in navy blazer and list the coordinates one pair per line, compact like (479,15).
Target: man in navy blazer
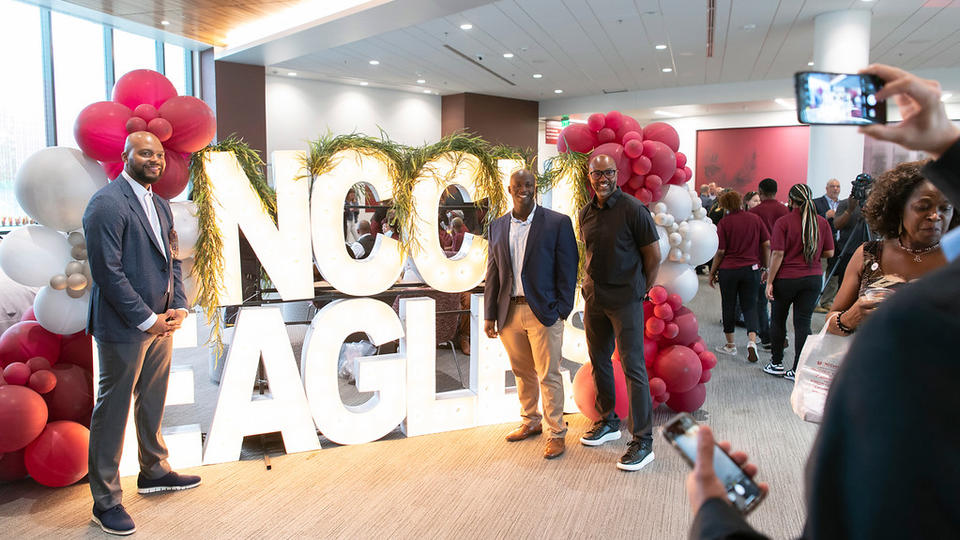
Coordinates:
(137,302)
(531,280)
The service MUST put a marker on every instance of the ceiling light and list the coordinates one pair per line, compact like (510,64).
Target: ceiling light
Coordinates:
(428,91)
(667,70)
(810,64)
(945,96)
(558,91)
(784,103)
(537,75)
(661,47)
(364,83)
(292,73)
(666,113)
(165,23)
(281,19)
(421,81)
(508,55)
(466,26)
(374,62)
(749,27)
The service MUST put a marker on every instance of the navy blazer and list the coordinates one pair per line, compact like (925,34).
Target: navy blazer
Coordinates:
(549,273)
(131,277)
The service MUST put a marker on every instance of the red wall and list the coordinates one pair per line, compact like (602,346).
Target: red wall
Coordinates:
(739,158)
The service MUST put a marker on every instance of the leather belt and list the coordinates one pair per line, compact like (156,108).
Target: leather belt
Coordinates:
(518,300)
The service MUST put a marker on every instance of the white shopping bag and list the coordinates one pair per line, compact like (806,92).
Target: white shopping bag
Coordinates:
(820,359)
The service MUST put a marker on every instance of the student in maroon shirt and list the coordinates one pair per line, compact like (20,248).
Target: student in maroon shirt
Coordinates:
(799,240)
(742,255)
(769,210)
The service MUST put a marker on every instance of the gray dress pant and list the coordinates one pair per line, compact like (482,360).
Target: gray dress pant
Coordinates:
(139,370)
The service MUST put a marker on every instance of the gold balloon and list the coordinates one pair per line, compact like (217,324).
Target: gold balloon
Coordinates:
(75,294)
(76,239)
(77,282)
(58,282)
(74,267)
(78,252)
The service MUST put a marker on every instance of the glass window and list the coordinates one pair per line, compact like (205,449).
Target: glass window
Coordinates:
(175,67)
(78,72)
(131,52)
(22,128)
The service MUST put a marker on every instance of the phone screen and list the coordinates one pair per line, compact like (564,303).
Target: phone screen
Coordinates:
(742,492)
(839,98)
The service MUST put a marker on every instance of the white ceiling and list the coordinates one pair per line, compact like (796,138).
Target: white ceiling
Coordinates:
(588,47)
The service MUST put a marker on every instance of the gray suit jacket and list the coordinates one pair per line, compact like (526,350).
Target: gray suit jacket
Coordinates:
(131,277)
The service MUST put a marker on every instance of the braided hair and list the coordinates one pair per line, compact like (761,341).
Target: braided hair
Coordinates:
(802,198)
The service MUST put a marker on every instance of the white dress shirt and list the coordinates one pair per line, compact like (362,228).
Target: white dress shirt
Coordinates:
(519,232)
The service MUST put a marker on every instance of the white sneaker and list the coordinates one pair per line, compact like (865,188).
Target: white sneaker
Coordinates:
(752,352)
(726,349)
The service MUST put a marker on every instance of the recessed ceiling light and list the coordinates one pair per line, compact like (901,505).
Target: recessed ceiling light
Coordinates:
(558,91)
(421,81)
(661,47)
(466,26)
(749,27)
(428,91)
(537,75)
(809,63)
(945,96)
(165,23)
(374,62)
(292,73)
(667,70)
(364,83)
(508,55)
(666,113)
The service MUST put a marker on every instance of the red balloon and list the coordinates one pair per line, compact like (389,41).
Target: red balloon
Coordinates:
(101,129)
(679,178)
(644,195)
(12,467)
(146,111)
(194,123)
(72,398)
(28,315)
(663,162)
(613,120)
(631,136)
(161,128)
(650,350)
(43,381)
(615,151)
(658,294)
(681,160)
(585,390)
(16,373)
(175,176)
(641,165)
(606,135)
(22,417)
(77,349)
(38,363)
(653,182)
(636,182)
(657,193)
(143,86)
(705,376)
(688,401)
(112,168)
(596,121)
(698,347)
(135,123)
(633,148)
(688,172)
(675,301)
(687,325)
(670,330)
(578,138)
(27,339)
(663,311)
(657,386)
(663,132)
(654,327)
(58,457)
(628,124)
(679,367)
(708,360)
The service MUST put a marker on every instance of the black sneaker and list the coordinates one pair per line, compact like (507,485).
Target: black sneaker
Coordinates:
(639,455)
(790,375)
(114,520)
(774,369)
(601,432)
(168,482)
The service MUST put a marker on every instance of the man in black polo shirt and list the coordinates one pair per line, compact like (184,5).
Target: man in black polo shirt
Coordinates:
(622,259)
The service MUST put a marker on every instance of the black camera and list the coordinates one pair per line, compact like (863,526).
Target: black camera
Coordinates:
(861,187)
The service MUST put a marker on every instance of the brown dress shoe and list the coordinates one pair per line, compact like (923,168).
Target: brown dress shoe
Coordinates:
(523,432)
(555,447)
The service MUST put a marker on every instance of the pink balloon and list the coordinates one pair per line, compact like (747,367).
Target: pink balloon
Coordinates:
(27,339)
(681,160)
(633,148)
(663,311)
(657,193)
(175,176)
(606,135)
(112,168)
(653,182)
(658,294)
(135,123)
(22,417)
(687,325)
(663,132)
(628,124)
(146,111)
(657,386)
(688,172)
(161,128)
(641,165)
(38,363)
(688,401)
(596,121)
(143,86)
(613,120)
(77,349)
(58,457)
(585,390)
(663,162)
(654,327)
(72,398)
(644,195)
(705,376)
(16,373)
(42,381)
(28,315)
(12,467)
(670,330)
(708,360)
(631,136)
(577,137)
(101,129)
(675,301)
(650,350)
(194,123)
(636,182)
(679,367)
(615,151)
(698,347)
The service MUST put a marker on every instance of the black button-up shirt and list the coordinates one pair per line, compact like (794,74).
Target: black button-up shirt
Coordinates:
(613,235)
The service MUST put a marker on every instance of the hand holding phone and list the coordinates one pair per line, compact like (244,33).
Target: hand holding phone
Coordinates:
(839,98)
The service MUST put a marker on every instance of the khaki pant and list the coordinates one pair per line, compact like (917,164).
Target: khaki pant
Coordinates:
(534,351)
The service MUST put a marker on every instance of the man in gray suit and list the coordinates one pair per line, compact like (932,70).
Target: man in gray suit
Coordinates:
(137,302)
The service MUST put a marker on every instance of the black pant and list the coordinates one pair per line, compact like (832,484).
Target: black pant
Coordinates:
(802,294)
(623,325)
(741,283)
(763,316)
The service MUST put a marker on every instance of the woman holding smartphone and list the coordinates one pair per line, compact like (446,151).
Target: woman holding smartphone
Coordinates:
(798,242)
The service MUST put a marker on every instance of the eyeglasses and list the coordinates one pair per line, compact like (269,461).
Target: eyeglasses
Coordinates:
(609,173)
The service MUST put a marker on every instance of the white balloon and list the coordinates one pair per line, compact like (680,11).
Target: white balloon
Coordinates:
(54,185)
(668,220)
(678,202)
(660,218)
(673,228)
(686,258)
(664,243)
(685,246)
(59,313)
(700,213)
(187,226)
(704,242)
(678,278)
(676,255)
(659,208)
(696,204)
(683,227)
(31,255)
(675,239)
(190,286)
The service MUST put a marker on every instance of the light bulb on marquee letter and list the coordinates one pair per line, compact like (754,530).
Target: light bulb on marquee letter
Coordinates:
(466,269)
(383,374)
(283,250)
(381,269)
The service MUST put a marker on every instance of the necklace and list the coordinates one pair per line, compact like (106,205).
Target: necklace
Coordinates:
(918,252)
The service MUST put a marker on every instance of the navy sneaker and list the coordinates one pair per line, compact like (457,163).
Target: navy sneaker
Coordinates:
(601,432)
(168,482)
(114,520)
(639,455)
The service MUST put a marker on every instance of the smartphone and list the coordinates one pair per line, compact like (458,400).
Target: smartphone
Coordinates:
(742,491)
(839,99)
